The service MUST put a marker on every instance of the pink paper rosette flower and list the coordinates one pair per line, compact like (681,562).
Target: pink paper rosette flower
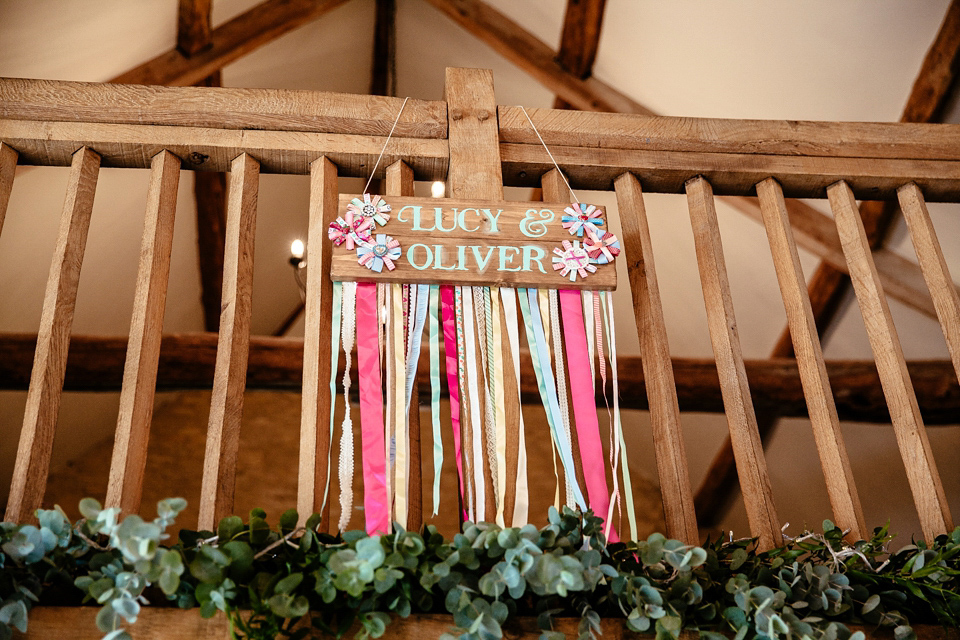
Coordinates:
(582,217)
(602,247)
(373,208)
(351,230)
(379,251)
(572,261)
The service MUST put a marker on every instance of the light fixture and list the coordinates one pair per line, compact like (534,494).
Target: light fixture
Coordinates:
(297,253)
(437,189)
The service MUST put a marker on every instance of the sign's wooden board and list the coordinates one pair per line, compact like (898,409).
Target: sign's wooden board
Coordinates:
(473,242)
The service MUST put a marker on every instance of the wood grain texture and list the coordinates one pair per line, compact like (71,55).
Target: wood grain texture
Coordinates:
(314,465)
(53,341)
(533,56)
(474,171)
(399,182)
(210,193)
(383,72)
(212,149)
(129,459)
(580,38)
(747,448)
(841,487)
(938,72)
(678,509)
(626,131)
(473,242)
(220,108)
(731,173)
(194,33)
(8,168)
(816,232)
(934,267)
(187,361)
(912,439)
(247,32)
(226,404)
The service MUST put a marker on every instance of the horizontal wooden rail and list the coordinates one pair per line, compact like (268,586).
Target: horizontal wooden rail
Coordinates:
(187,361)
(132,146)
(220,108)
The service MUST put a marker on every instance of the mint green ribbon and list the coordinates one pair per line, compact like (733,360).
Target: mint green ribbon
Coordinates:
(334,361)
(434,337)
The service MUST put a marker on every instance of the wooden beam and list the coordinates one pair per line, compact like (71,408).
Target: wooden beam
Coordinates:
(271,109)
(186,361)
(829,283)
(533,56)
(194,33)
(250,30)
(383,80)
(579,40)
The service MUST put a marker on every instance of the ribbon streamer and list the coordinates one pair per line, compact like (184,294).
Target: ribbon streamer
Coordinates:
(453,379)
(499,410)
(334,356)
(400,421)
(434,346)
(473,399)
(371,412)
(521,505)
(561,377)
(347,454)
(462,383)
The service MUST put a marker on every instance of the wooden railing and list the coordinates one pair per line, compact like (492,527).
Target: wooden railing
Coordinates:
(478,148)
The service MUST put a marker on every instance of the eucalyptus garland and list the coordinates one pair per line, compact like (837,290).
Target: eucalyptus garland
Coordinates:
(292,581)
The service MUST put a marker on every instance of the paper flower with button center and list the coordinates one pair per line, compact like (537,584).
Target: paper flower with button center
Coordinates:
(379,251)
(351,230)
(373,208)
(572,260)
(582,217)
(602,247)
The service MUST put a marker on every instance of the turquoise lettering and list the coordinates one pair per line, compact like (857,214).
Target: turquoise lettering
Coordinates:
(493,219)
(528,257)
(438,221)
(411,254)
(482,262)
(438,259)
(534,223)
(504,259)
(461,218)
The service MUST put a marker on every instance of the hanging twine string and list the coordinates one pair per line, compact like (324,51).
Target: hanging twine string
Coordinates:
(386,142)
(554,160)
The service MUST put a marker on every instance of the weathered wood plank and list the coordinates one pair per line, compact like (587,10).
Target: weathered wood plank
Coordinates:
(220,108)
(841,488)
(934,267)
(314,465)
(250,30)
(938,72)
(741,419)
(678,509)
(129,460)
(533,56)
(187,361)
(226,405)
(731,173)
(53,341)
(915,448)
(580,38)
(211,149)
(627,131)
(8,167)
(194,33)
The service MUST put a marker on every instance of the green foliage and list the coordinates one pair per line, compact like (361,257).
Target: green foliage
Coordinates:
(285,582)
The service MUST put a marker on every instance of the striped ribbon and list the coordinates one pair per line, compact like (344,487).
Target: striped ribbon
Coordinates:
(464,409)
(454,391)
(561,377)
(473,399)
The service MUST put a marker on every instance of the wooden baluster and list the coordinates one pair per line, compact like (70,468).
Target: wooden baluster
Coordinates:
(475,172)
(678,509)
(741,420)
(53,341)
(8,167)
(316,402)
(813,373)
(143,349)
(229,378)
(399,182)
(901,400)
(946,300)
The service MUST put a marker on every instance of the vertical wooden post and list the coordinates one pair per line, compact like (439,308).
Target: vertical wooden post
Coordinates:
(813,373)
(892,368)
(229,378)
(747,448)
(53,341)
(681,519)
(8,167)
(946,301)
(475,172)
(143,349)
(314,467)
(399,182)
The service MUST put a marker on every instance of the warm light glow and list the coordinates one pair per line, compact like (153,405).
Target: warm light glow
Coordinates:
(296,248)
(437,189)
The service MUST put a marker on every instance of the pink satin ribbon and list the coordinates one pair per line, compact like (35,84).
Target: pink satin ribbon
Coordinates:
(584,405)
(448,314)
(371,411)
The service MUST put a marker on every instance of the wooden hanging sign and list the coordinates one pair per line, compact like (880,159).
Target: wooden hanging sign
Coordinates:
(473,242)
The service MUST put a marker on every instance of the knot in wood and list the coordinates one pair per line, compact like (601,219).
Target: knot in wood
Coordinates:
(456,114)
(482,115)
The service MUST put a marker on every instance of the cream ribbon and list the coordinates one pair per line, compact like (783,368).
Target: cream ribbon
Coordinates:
(397,396)
(499,408)
(624,459)
(543,302)
(346,429)
(561,376)
(473,393)
(521,505)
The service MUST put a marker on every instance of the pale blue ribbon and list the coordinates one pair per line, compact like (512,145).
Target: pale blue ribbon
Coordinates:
(413,351)
(334,361)
(434,337)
